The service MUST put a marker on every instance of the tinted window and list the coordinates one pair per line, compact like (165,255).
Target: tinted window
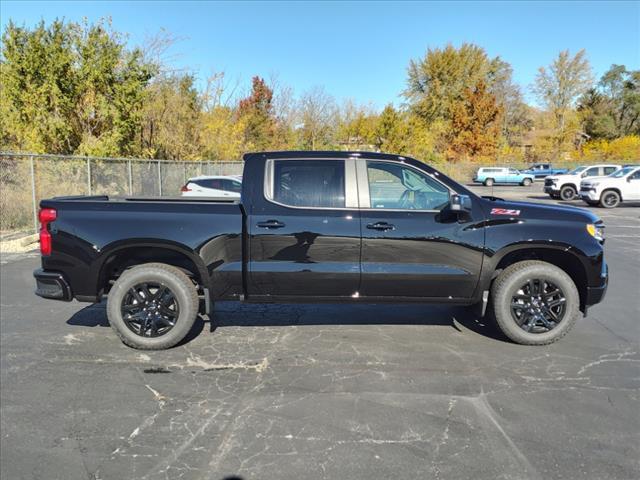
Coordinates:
(636,175)
(214,183)
(592,172)
(309,183)
(232,186)
(609,170)
(395,186)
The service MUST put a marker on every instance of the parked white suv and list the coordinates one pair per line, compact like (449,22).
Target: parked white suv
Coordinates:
(213,186)
(566,186)
(608,192)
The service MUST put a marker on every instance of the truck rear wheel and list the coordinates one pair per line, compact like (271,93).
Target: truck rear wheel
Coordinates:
(488,182)
(152,306)
(526,182)
(535,303)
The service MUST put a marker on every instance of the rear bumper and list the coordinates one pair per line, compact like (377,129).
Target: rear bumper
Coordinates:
(596,294)
(52,285)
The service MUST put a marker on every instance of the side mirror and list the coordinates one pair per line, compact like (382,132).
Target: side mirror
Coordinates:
(460,203)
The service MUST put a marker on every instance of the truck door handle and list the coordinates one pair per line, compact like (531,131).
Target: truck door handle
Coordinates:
(271,224)
(384,226)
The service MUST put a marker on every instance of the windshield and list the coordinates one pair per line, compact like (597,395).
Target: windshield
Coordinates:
(622,172)
(575,171)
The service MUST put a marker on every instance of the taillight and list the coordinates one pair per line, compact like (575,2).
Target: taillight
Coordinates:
(46,216)
(185,188)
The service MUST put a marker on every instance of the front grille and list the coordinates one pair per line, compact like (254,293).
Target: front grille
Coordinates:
(548,182)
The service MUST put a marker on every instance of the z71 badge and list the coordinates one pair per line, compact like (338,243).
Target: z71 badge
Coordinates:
(505,211)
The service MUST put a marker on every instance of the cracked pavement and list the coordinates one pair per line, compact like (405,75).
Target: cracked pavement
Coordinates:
(322,391)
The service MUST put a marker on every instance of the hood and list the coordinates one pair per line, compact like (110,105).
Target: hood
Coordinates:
(587,181)
(498,208)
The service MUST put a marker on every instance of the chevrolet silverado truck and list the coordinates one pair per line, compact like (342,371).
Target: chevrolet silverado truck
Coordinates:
(566,186)
(341,227)
(610,191)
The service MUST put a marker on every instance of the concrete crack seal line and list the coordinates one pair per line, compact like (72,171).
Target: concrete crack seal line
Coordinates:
(197,361)
(609,357)
(175,454)
(486,411)
(158,396)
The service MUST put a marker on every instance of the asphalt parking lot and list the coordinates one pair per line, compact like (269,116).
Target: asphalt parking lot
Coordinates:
(308,391)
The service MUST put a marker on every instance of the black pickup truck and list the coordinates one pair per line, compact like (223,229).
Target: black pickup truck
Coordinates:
(338,227)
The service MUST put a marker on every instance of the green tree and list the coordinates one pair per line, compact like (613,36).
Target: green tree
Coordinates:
(558,87)
(71,88)
(171,120)
(612,108)
(438,81)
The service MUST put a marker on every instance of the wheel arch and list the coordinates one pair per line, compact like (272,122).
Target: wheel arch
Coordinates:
(615,189)
(560,256)
(117,258)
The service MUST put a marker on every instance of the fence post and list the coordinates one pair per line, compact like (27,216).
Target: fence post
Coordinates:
(130,178)
(89,175)
(33,196)
(159,179)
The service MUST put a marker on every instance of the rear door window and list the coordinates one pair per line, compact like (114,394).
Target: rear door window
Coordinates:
(609,170)
(215,183)
(309,183)
(232,185)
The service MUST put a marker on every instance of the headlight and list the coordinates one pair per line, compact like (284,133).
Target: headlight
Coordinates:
(596,231)
(595,184)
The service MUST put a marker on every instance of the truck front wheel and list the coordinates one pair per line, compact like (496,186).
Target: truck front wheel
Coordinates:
(152,306)
(610,199)
(535,303)
(568,192)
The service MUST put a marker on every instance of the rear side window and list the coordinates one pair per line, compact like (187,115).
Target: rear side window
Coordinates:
(609,170)
(215,183)
(309,183)
(231,186)
(592,172)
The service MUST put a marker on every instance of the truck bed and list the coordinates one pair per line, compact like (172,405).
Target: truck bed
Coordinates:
(94,232)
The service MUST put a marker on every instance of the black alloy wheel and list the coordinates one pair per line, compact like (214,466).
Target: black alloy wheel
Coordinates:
(538,306)
(150,309)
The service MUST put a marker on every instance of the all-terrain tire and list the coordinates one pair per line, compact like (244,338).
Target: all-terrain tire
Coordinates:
(568,192)
(510,281)
(183,290)
(610,199)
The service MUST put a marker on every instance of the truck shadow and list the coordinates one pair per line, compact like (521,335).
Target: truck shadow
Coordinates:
(229,314)
(256,315)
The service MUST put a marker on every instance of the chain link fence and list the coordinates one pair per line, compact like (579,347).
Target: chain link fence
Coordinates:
(25,179)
